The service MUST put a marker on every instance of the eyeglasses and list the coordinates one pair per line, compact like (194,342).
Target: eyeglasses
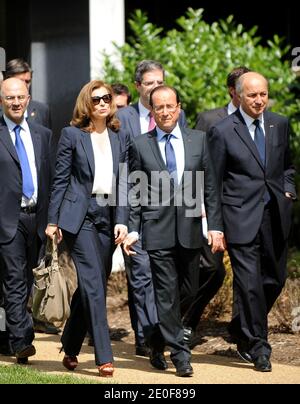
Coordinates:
(151,83)
(106,98)
(20,98)
(170,108)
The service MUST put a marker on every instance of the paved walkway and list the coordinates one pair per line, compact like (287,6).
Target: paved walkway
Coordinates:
(209,369)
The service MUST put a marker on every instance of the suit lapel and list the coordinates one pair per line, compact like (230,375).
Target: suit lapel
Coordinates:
(37,146)
(241,129)
(88,148)
(31,111)
(188,149)
(115,149)
(134,122)
(7,142)
(269,133)
(152,139)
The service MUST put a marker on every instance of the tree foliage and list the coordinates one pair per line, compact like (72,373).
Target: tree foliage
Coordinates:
(197,57)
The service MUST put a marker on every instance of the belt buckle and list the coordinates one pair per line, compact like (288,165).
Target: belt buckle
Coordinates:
(28,209)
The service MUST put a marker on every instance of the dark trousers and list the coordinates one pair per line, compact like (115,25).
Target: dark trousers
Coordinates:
(211,274)
(143,313)
(18,257)
(88,308)
(172,269)
(259,270)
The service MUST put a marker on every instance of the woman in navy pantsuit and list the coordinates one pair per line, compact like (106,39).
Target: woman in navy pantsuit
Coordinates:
(85,209)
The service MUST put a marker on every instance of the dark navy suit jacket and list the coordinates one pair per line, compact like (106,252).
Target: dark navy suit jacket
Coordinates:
(11,180)
(74,178)
(243,177)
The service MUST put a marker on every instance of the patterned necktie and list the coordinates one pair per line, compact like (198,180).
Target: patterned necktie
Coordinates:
(28,187)
(259,140)
(170,157)
(152,123)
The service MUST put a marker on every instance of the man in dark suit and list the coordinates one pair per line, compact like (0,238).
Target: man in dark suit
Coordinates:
(212,271)
(36,112)
(136,119)
(172,159)
(252,159)
(25,186)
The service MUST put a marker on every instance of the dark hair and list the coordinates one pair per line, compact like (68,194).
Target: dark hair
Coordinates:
(146,66)
(235,74)
(16,66)
(163,87)
(84,108)
(119,89)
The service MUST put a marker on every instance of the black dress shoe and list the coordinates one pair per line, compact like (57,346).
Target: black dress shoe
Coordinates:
(184,369)
(158,360)
(262,364)
(243,351)
(5,350)
(45,328)
(142,350)
(22,361)
(70,362)
(26,352)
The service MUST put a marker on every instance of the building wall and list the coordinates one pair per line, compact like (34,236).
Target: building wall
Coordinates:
(60,55)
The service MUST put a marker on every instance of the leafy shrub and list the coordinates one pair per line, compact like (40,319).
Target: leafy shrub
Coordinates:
(197,58)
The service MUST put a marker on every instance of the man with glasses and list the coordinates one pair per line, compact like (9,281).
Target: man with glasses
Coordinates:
(137,119)
(37,112)
(173,158)
(25,186)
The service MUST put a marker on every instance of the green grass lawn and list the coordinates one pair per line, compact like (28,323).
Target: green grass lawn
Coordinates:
(15,374)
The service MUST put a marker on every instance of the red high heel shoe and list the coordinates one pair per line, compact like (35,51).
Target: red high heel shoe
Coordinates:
(70,362)
(106,370)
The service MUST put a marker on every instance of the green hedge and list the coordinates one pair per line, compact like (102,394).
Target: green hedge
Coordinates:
(197,57)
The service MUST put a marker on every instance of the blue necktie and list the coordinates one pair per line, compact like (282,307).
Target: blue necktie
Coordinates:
(259,140)
(170,157)
(28,187)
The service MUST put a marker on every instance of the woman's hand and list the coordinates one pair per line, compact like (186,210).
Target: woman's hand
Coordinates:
(53,230)
(120,232)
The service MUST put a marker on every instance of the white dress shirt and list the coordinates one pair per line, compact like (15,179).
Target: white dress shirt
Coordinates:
(144,118)
(249,122)
(178,146)
(27,141)
(231,108)
(103,180)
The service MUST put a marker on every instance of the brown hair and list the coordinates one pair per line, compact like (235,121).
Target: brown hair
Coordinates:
(84,108)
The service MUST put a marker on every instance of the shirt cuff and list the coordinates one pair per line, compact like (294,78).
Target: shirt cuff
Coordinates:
(134,234)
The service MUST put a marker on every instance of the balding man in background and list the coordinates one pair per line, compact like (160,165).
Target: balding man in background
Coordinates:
(250,150)
(25,186)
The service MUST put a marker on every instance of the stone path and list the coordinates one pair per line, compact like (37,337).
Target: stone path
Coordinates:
(209,369)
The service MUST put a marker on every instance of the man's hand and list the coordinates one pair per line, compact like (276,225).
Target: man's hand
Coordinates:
(217,241)
(52,230)
(120,233)
(289,195)
(131,239)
